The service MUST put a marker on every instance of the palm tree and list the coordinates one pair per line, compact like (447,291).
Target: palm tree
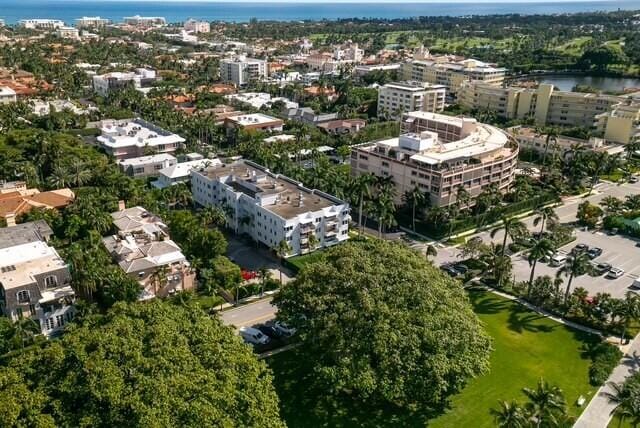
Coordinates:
(513,228)
(509,415)
(212,215)
(59,177)
(575,266)
(611,205)
(545,401)
(159,278)
(264,273)
(552,138)
(628,309)
(543,216)
(417,199)
(361,188)
(626,398)
(283,249)
(23,332)
(541,248)
(312,241)
(80,175)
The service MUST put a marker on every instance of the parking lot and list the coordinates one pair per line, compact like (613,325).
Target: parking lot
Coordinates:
(619,251)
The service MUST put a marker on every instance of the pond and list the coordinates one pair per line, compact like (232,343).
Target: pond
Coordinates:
(605,83)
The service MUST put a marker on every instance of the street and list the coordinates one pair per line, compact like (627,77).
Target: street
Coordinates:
(250,314)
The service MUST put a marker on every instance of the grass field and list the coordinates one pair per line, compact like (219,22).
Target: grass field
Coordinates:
(526,348)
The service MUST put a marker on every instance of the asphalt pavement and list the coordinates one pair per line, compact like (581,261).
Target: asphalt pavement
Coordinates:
(250,314)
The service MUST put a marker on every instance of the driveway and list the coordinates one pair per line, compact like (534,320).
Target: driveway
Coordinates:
(250,314)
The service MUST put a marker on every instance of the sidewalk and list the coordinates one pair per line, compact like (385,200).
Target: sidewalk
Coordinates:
(598,412)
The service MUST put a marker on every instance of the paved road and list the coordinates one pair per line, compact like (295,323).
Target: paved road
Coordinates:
(248,315)
(598,411)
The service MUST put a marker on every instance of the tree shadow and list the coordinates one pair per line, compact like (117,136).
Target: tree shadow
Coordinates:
(486,303)
(522,319)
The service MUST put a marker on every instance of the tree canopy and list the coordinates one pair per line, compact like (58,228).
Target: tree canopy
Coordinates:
(158,364)
(379,321)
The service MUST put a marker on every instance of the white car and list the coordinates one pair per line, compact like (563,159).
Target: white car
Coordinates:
(254,336)
(615,273)
(284,328)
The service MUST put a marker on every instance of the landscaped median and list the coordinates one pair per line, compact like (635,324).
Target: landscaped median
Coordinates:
(526,347)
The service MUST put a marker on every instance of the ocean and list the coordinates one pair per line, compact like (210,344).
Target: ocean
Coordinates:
(178,11)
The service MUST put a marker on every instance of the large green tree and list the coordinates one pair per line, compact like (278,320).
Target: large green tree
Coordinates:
(380,322)
(157,364)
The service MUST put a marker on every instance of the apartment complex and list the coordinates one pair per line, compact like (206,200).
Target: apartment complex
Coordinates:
(71,33)
(396,98)
(125,139)
(197,26)
(272,208)
(528,138)
(142,79)
(254,122)
(438,154)
(451,72)
(92,22)
(34,280)
(143,250)
(241,70)
(616,117)
(41,24)
(145,21)
(147,166)
(181,172)
(7,95)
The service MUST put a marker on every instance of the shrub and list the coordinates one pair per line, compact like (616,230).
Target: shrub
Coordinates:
(604,358)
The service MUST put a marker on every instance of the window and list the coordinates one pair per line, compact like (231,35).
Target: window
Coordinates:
(8,268)
(60,320)
(22,296)
(50,281)
(49,324)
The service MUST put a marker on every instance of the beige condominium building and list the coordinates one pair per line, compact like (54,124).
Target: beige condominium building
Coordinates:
(616,117)
(452,72)
(438,154)
(399,97)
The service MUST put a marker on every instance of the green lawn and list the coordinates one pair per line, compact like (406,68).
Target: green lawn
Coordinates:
(526,347)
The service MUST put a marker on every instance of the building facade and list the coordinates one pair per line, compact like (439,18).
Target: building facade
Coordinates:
(147,166)
(242,70)
(126,139)
(195,26)
(396,98)
(439,154)
(272,208)
(140,78)
(254,122)
(92,22)
(34,280)
(145,21)
(68,33)
(7,95)
(41,24)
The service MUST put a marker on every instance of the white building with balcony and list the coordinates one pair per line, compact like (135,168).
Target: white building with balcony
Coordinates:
(242,70)
(272,208)
(41,24)
(396,98)
(195,26)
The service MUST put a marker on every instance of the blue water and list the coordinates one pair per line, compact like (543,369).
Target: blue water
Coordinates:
(178,11)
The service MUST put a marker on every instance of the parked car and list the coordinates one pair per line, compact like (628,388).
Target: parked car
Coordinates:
(460,268)
(580,248)
(615,273)
(594,252)
(558,259)
(633,179)
(449,270)
(635,285)
(602,268)
(270,331)
(285,329)
(254,336)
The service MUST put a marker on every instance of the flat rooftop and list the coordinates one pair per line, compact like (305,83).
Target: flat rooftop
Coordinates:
(144,160)
(413,86)
(24,233)
(20,263)
(253,119)
(136,132)
(292,199)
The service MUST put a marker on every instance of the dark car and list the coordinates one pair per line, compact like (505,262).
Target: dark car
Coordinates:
(594,252)
(602,268)
(460,268)
(580,248)
(270,331)
(449,270)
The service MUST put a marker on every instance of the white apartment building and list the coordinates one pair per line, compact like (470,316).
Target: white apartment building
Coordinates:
(260,99)
(529,138)
(181,172)
(195,26)
(142,79)
(44,107)
(396,98)
(241,70)
(451,72)
(254,122)
(92,22)
(7,95)
(145,21)
(68,33)
(41,24)
(363,70)
(351,52)
(438,154)
(272,208)
(34,280)
(127,139)
(147,166)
